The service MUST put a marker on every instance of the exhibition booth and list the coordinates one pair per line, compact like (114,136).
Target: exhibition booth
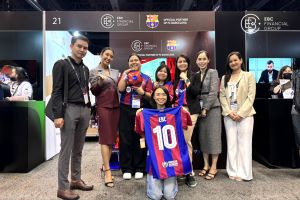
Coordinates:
(22,124)
(45,37)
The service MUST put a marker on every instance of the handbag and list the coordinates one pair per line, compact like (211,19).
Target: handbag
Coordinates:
(48,109)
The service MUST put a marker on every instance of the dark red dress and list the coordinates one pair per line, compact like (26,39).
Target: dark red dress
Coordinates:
(108,106)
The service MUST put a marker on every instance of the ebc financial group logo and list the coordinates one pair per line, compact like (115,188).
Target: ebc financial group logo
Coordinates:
(152,21)
(250,23)
(107,21)
(137,45)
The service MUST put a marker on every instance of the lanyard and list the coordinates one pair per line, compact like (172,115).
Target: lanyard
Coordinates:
(16,90)
(77,74)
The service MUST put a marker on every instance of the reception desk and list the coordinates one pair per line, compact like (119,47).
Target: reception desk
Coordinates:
(22,136)
(273,138)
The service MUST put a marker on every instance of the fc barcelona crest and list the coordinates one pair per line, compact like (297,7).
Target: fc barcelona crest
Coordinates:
(172,45)
(152,21)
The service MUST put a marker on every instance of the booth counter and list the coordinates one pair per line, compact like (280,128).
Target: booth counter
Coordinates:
(22,136)
(273,137)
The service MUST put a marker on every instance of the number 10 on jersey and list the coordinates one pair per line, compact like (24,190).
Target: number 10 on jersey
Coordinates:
(162,137)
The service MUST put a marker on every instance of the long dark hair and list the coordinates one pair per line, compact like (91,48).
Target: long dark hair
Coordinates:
(168,104)
(168,73)
(22,74)
(280,73)
(229,70)
(177,73)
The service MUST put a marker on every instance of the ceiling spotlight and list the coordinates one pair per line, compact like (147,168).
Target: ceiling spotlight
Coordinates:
(76,33)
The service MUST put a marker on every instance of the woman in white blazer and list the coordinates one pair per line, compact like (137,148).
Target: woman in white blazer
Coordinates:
(237,95)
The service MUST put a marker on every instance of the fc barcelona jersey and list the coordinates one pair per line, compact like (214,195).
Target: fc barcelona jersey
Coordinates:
(165,141)
(180,94)
(126,96)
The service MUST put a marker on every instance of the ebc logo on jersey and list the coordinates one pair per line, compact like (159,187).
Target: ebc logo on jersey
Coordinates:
(162,119)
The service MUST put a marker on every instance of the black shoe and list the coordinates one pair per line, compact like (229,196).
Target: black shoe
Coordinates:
(181,177)
(190,181)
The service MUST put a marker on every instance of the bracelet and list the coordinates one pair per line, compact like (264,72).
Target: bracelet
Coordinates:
(144,94)
(125,76)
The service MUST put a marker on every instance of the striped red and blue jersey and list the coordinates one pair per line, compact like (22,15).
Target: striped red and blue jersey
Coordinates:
(169,86)
(126,96)
(180,94)
(165,141)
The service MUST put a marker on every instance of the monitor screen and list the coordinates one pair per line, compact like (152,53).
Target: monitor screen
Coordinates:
(29,66)
(265,70)
(149,66)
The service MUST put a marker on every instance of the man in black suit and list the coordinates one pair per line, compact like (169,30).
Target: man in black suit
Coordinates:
(6,90)
(268,75)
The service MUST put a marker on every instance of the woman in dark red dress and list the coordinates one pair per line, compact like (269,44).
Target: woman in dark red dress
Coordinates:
(104,83)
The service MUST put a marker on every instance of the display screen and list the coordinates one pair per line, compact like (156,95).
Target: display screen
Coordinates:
(265,70)
(29,66)
(149,66)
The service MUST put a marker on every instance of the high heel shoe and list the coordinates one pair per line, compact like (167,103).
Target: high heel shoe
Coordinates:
(103,173)
(106,183)
(205,172)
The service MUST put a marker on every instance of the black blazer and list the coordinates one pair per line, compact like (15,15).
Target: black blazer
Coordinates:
(6,90)
(264,77)
(273,85)
(191,94)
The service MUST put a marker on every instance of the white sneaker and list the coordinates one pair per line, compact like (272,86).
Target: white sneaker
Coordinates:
(138,175)
(127,176)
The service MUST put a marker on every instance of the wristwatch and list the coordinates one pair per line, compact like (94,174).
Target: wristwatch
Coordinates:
(144,94)
(186,81)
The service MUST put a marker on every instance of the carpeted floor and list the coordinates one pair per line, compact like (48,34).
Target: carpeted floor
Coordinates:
(41,183)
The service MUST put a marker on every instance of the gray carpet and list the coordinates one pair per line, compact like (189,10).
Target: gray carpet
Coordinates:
(41,183)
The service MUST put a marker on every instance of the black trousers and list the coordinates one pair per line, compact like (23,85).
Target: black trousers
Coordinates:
(132,156)
(296,127)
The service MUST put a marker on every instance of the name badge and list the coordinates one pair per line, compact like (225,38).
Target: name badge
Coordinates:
(142,143)
(85,95)
(234,106)
(136,100)
(201,103)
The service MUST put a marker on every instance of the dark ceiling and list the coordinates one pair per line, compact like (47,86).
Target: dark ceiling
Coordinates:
(148,5)
(100,40)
